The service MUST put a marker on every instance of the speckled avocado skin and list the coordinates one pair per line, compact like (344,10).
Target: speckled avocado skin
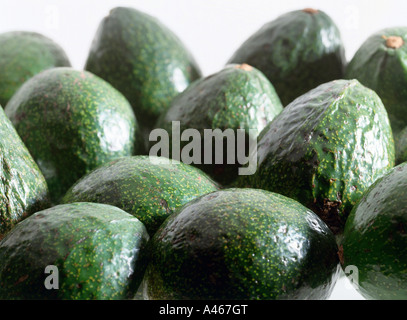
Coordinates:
(236,97)
(145,187)
(325,149)
(98,250)
(72,122)
(375,238)
(24,54)
(23,189)
(384,70)
(242,244)
(143,59)
(297,52)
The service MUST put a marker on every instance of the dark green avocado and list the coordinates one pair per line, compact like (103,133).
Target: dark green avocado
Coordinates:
(325,149)
(24,54)
(242,244)
(297,52)
(143,59)
(72,122)
(236,97)
(375,238)
(381,65)
(23,189)
(98,250)
(143,186)
(400,142)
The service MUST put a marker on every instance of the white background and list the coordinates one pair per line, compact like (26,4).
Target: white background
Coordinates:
(211,29)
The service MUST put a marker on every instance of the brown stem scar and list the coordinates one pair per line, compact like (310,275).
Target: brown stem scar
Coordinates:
(394,42)
(244,66)
(310,10)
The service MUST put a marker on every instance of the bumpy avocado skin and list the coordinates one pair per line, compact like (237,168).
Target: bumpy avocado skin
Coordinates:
(98,250)
(325,149)
(145,187)
(23,55)
(297,52)
(384,70)
(242,244)
(143,59)
(375,238)
(23,188)
(236,97)
(72,122)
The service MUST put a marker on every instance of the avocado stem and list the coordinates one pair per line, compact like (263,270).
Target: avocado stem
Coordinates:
(310,10)
(394,42)
(245,67)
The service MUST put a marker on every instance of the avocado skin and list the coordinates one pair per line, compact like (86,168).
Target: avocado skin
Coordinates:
(297,52)
(23,187)
(384,70)
(149,191)
(236,97)
(98,250)
(375,238)
(72,122)
(242,244)
(143,59)
(24,54)
(325,149)
(400,142)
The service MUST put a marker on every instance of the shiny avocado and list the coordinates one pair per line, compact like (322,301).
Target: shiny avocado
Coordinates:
(381,65)
(24,190)
(297,52)
(143,59)
(24,54)
(325,149)
(375,239)
(236,97)
(98,250)
(143,186)
(72,122)
(242,244)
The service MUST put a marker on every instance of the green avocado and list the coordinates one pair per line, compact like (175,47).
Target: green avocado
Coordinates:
(149,188)
(243,244)
(381,65)
(325,149)
(400,142)
(297,52)
(72,122)
(143,59)
(23,190)
(236,97)
(96,251)
(24,54)
(375,238)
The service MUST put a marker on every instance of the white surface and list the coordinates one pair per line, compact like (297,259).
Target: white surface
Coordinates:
(211,29)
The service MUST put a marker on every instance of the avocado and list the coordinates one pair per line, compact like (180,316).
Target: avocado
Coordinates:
(23,190)
(146,187)
(242,244)
(381,65)
(375,241)
(400,142)
(143,59)
(24,54)
(97,251)
(236,97)
(72,122)
(297,51)
(325,149)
